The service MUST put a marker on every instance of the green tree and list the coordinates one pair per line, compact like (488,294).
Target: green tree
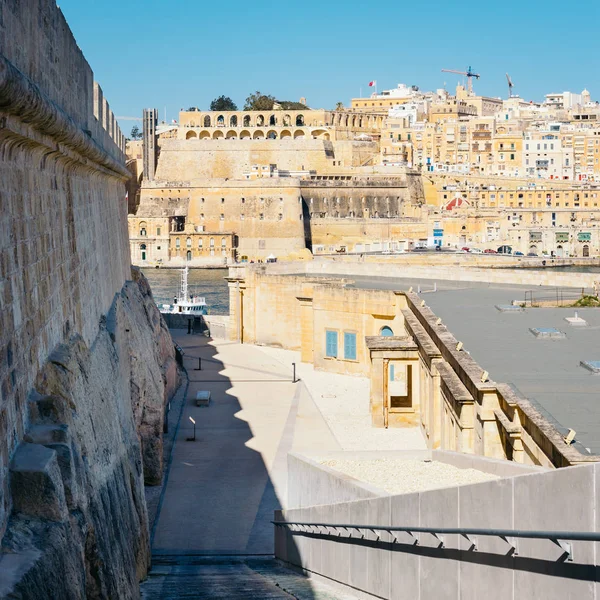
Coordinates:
(339,106)
(291,105)
(258,101)
(136,134)
(223,103)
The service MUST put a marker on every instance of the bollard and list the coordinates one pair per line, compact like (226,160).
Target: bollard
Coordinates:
(193,438)
(189,326)
(199,365)
(294,372)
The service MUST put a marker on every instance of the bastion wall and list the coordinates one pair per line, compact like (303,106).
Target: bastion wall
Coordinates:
(86,362)
(234,159)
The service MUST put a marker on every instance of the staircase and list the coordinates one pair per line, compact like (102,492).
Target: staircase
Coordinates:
(230,578)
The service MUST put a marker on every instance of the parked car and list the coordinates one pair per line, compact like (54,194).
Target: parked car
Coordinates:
(531,254)
(489,251)
(476,251)
(465,249)
(505,249)
(517,253)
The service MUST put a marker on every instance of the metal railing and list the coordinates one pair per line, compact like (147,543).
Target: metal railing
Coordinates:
(510,536)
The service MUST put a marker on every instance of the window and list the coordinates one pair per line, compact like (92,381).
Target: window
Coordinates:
(158,231)
(331,342)
(222,200)
(177,243)
(349,345)
(223,242)
(261,217)
(212,242)
(222,217)
(199,243)
(386,331)
(188,242)
(242,217)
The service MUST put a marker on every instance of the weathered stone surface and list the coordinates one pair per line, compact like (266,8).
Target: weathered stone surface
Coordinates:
(36,483)
(86,362)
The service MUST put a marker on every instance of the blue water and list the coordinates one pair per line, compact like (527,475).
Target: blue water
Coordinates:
(209,283)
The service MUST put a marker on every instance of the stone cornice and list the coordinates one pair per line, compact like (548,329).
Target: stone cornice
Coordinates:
(20,97)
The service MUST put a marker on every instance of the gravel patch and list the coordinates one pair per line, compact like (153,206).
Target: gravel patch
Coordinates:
(397,476)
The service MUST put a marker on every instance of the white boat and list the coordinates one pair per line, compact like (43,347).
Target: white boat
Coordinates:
(185,303)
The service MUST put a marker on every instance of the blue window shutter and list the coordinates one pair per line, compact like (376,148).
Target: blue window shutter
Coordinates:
(350,346)
(331,343)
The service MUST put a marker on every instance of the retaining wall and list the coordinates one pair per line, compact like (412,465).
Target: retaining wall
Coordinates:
(565,499)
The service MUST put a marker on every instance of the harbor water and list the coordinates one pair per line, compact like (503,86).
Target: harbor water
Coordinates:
(209,283)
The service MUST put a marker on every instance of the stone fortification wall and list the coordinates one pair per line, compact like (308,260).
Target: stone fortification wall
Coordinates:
(85,361)
(234,159)
(380,266)
(264,214)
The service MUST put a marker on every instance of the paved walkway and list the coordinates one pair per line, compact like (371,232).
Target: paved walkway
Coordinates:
(232,578)
(222,488)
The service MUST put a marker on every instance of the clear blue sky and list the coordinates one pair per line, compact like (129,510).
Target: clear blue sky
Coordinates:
(180,53)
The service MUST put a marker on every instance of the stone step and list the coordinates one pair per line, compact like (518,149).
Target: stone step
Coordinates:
(248,578)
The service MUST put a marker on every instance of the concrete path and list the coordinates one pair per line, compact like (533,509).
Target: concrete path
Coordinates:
(222,488)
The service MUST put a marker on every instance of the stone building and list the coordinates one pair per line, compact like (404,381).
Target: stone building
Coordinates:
(419,376)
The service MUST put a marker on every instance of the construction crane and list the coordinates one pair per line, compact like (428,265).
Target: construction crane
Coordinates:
(469,74)
(511,85)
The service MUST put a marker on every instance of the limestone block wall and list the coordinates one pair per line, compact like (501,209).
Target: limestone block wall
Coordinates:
(265,215)
(85,361)
(233,159)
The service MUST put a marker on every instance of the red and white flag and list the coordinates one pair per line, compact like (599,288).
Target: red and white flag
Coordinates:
(127,196)
(372,83)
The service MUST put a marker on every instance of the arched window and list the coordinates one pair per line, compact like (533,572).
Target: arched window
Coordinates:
(143,229)
(386,331)
(212,242)
(300,120)
(189,255)
(223,242)
(206,121)
(177,243)
(272,120)
(287,120)
(143,249)
(246,120)
(199,243)
(260,121)
(233,121)
(220,121)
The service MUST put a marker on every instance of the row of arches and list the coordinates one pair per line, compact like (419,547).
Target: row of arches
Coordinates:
(358,121)
(249,121)
(259,134)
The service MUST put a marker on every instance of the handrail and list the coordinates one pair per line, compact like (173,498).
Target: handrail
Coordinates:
(508,535)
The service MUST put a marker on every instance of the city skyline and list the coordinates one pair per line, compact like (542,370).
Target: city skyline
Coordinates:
(326,56)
